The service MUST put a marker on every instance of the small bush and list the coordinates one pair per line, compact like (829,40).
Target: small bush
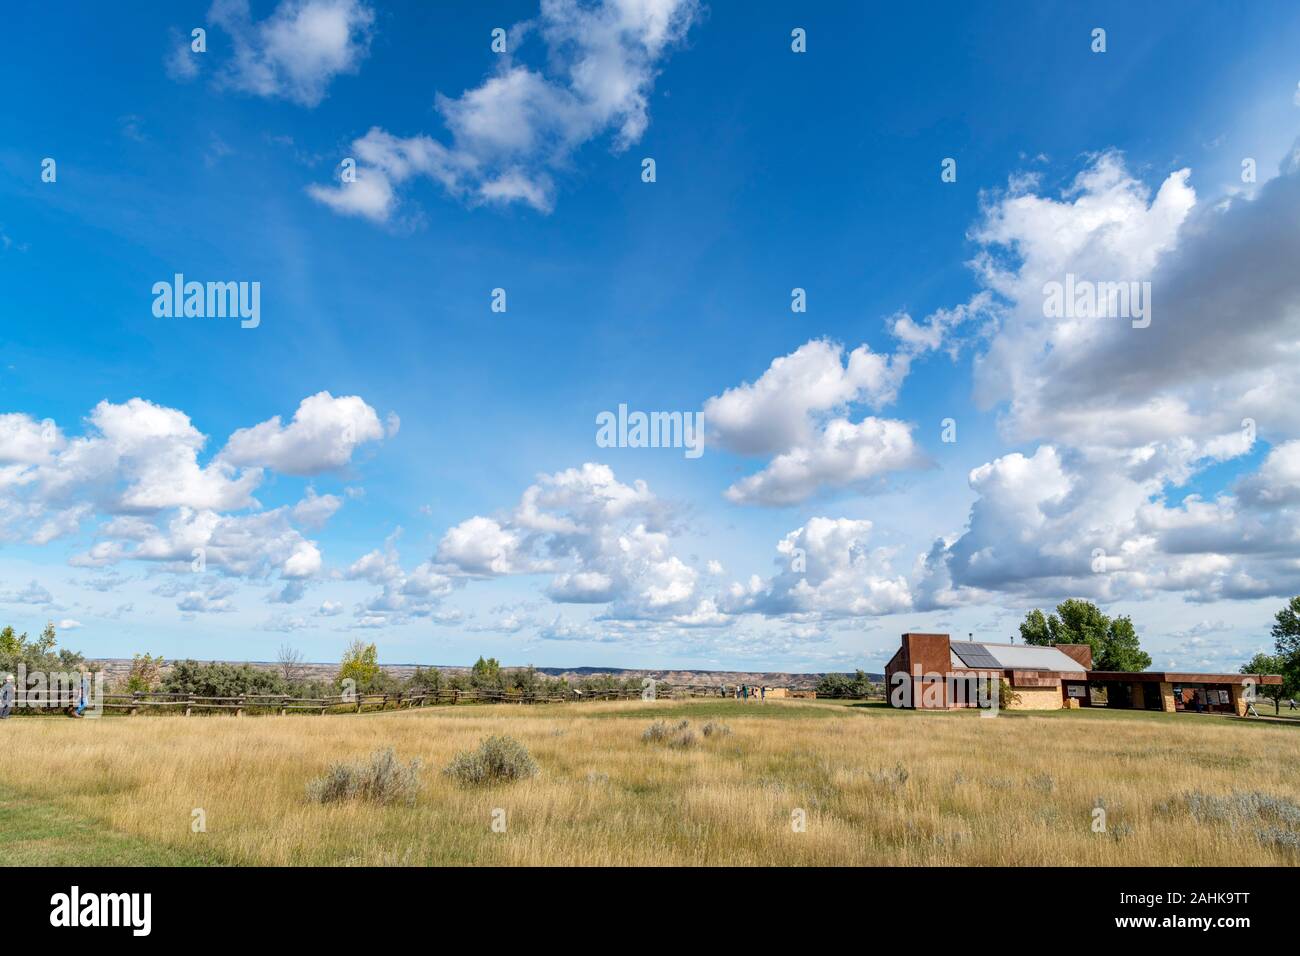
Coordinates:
(660,731)
(1044,782)
(890,778)
(497,760)
(713,727)
(1242,808)
(1006,696)
(383,780)
(1280,838)
(656,732)
(682,739)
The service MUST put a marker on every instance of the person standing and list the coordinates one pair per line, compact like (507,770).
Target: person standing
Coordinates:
(6,696)
(84,700)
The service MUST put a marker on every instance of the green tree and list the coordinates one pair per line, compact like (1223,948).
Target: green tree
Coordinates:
(1267,664)
(842,685)
(361,664)
(486,674)
(526,681)
(218,679)
(11,645)
(144,674)
(427,679)
(1035,629)
(1286,641)
(1121,650)
(1115,645)
(1082,622)
(45,643)
(35,655)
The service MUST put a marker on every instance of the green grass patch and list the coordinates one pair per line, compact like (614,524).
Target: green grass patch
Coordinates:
(35,833)
(704,708)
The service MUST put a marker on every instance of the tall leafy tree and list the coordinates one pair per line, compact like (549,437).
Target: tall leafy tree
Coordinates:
(486,674)
(1286,640)
(1082,622)
(146,671)
(45,643)
(219,679)
(1267,664)
(1121,650)
(38,655)
(1115,645)
(11,645)
(1036,630)
(361,664)
(1075,622)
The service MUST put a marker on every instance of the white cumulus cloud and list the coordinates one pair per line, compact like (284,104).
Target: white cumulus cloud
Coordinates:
(297,51)
(509,134)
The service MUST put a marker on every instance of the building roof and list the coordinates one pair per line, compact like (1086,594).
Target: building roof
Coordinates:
(1017,656)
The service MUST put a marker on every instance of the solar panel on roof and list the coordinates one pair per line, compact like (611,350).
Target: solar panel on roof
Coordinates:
(974,655)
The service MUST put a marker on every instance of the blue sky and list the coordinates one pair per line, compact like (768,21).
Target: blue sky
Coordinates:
(441,491)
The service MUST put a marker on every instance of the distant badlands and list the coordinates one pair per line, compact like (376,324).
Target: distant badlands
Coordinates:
(119,667)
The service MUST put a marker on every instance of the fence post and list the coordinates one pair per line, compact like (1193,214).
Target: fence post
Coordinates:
(239,708)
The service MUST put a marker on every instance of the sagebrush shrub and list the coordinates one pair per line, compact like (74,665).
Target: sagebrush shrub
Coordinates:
(682,739)
(497,760)
(384,779)
(1279,837)
(661,732)
(1044,782)
(714,727)
(891,778)
(1243,808)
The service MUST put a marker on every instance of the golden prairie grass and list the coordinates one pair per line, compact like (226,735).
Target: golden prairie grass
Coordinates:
(874,787)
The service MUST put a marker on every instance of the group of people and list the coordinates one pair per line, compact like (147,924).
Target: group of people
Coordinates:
(76,706)
(744,692)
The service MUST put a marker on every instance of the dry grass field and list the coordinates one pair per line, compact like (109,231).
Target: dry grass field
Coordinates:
(877,787)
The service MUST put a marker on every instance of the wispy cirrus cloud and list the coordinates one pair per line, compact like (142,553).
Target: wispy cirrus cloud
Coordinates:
(293,54)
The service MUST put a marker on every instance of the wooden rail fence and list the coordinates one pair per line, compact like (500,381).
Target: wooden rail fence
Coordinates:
(189,704)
